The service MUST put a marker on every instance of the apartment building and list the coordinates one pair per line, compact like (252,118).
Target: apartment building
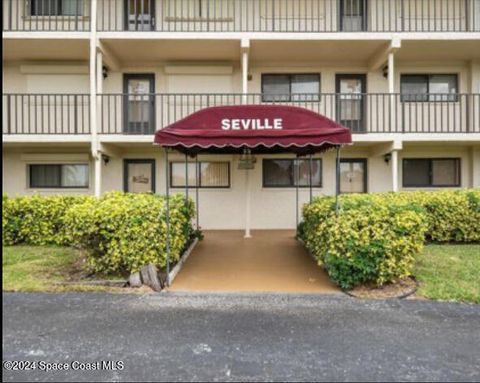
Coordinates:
(88,82)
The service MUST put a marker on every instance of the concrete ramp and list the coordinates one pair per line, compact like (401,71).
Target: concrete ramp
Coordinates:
(270,261)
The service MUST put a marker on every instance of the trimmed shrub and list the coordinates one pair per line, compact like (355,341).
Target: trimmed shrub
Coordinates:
(123,232)
(119,231)
(376,236)
(452,216)
(36,220)
(369,241)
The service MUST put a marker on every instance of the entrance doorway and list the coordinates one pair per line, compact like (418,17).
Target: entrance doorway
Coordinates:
(270,261)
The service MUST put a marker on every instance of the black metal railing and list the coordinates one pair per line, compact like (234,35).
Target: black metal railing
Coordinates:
(362,113)
(289,15)
(46,15)
(145,113)
(46,114)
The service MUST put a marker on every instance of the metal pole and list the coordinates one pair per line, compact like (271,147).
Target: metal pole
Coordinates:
(296,192)
(197,184)
(167,171)
(186,177)
(337,186)
(310,177)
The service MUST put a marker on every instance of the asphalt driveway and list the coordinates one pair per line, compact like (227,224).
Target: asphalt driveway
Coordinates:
(174,336)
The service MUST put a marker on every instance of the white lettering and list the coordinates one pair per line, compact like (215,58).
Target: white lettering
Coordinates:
(246,124)
(251,124)
(225,124)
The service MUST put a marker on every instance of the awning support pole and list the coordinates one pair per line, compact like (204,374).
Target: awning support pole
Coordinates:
(310,177)
(186,177)
(337,177)
(197,190)
(247,205)
(167,245)
(296,192)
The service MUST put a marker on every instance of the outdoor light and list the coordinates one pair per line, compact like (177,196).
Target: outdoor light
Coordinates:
(387,157)
(104,72)
(385,71)
(106,159)
(247,161)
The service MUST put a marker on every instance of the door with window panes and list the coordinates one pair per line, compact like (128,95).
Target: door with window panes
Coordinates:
(139,104)
(353,15)
(351,101)
(139,15)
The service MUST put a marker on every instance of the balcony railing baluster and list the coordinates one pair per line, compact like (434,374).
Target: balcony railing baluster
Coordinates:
(143,114)
(301,16)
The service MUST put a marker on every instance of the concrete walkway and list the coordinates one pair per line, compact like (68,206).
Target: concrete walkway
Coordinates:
(270,261)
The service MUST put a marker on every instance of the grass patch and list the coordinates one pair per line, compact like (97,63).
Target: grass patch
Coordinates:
(449,272)
(42,268)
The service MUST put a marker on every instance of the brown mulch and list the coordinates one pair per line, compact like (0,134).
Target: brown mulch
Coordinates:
(399,289)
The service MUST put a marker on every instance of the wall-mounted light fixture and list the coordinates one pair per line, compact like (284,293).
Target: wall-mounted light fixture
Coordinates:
(385,71)
(106,159)
(387,157)
(104,72)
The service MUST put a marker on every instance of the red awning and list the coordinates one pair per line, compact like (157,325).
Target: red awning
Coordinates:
(261,128)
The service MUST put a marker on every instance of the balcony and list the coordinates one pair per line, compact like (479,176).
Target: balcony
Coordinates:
(289,15)
(46,15)
(128,114)
(312,16)
(44,114)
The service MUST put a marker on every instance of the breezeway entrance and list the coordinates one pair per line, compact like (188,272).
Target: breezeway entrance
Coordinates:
(270,261)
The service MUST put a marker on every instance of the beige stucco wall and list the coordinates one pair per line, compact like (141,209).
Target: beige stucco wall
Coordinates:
(225,208)
(16,161)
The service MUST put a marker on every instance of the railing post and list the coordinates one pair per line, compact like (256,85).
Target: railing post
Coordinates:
(75,114)
(9,117)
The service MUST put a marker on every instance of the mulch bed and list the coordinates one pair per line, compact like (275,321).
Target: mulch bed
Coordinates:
(399,289)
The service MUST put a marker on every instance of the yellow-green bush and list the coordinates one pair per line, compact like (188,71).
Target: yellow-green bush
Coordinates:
(376,236)
(120,231)
(126,231)
(452,216)
(36,220)
(368,241)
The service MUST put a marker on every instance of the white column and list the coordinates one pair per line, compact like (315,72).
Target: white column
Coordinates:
(93,99)
(475,154)
(394,161)
(247,204)
(391,89)
(245,46)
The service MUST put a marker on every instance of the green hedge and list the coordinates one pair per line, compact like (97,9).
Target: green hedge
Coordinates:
(376,237)
(36,220)
(120,231)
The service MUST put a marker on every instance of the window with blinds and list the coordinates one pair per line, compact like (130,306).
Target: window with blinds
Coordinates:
(210,174)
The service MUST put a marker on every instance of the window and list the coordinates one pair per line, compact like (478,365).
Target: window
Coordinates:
(353,14)
(353,175)
(56,7)
(279,173)
(429,87)
(428,172)
(211,174)
(290,87)
(194,9)
(58,176)
(139,176)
